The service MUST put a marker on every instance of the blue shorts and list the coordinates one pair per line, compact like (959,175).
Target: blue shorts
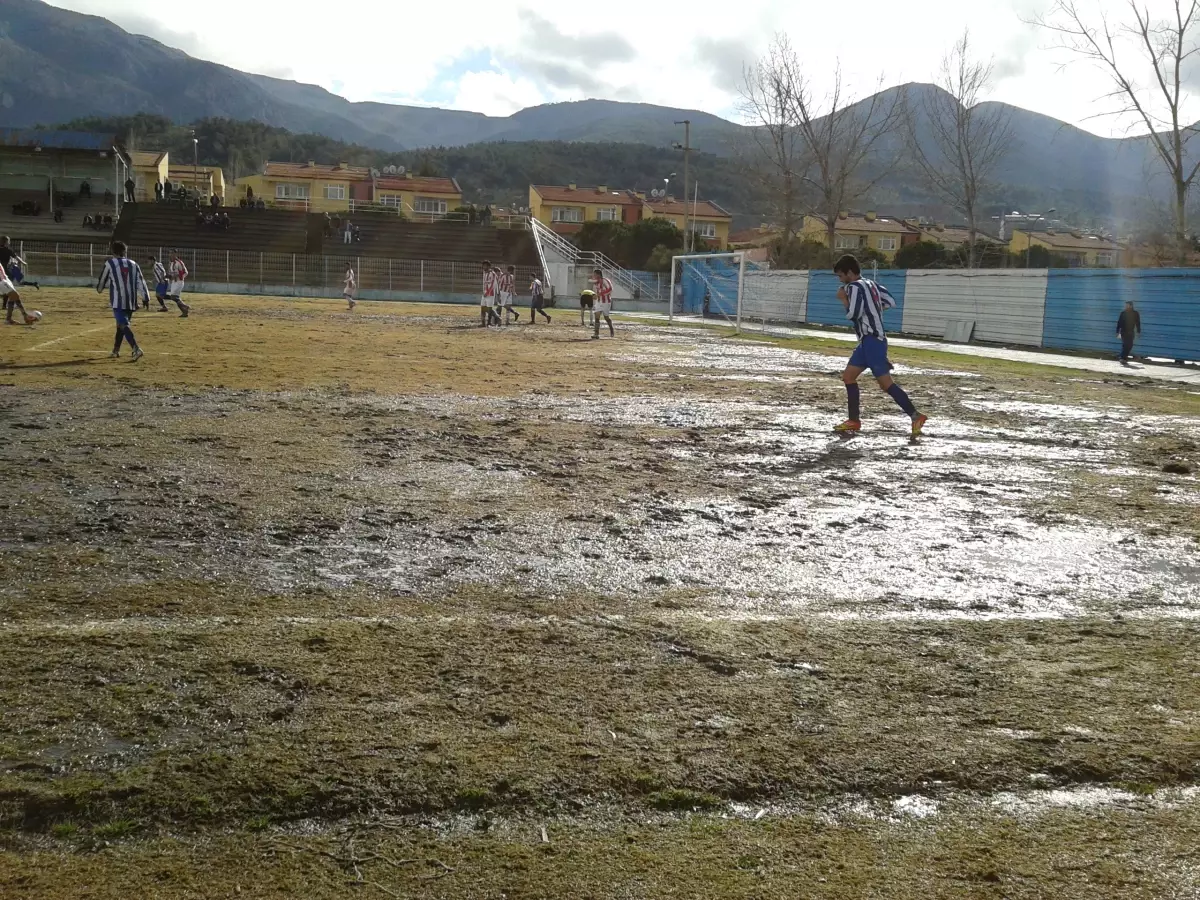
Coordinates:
(160,290)
(15,275)
(871,353)
(122,316)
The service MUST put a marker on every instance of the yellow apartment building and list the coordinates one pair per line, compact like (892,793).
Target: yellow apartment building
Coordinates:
(706,218)
(565,208)
(859,232)
(1078,249)
(148,167)
(418,196)
(317,188)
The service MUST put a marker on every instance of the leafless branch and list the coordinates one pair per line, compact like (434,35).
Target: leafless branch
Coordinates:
(954,143)
(1164,46)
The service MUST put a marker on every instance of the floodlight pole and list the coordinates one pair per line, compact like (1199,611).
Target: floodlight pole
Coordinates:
(687,152)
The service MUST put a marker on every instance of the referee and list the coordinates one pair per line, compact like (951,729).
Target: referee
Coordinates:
(123,278)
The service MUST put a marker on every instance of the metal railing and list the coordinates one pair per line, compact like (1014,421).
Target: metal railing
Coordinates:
(275,271)
(545,236)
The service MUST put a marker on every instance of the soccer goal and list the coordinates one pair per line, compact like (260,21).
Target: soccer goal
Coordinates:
(731,287)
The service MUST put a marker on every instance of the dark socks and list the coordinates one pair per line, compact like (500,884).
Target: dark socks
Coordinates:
(853,400)
(901,398)
(117,340)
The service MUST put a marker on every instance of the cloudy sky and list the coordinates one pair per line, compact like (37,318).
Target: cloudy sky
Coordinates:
(497,57)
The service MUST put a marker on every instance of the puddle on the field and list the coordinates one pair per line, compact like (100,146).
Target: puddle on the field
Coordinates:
(749,508)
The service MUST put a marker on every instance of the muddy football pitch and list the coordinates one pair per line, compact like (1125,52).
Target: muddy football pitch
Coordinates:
(312,604)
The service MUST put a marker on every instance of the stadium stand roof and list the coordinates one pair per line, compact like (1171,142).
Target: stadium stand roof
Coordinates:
(57,140)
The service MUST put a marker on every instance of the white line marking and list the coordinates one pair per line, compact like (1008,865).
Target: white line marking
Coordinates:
(67,338)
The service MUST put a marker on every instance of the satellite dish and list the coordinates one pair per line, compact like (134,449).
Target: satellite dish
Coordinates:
(399,170)
(374,173)
(391,170)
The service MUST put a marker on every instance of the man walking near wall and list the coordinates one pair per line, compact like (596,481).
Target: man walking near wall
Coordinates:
(1129,327)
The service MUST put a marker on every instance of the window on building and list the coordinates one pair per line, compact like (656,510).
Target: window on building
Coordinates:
(391,200)
(607,215)
(887,243)
(430,205)
(291,192)
(845,242)
(705,229)
(1104,259)
(335,192)
(566,214)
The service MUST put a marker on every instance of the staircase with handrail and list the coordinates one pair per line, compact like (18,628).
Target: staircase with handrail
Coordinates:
(553,248)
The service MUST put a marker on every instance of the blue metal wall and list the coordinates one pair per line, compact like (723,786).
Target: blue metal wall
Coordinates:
(1082,306)
(719,277)
(824,308)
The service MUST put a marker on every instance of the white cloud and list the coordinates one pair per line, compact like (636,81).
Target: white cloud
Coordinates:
(499,56)
(496,93)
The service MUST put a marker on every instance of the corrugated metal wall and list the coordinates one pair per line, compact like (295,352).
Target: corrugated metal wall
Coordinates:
(1082,306)
(1007,306)
(824,308)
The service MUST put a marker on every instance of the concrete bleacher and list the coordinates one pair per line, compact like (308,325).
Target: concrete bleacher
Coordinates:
(387,236)
(171,225)
(43,227)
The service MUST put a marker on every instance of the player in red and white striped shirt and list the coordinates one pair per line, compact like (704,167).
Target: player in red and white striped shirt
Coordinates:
(604,291)
(487,312)
(508,292)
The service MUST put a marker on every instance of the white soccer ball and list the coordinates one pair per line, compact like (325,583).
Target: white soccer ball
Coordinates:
(34,316)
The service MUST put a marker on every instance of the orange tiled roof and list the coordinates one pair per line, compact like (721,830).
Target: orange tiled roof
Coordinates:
(669,207)
(147,157)
(755,235)
(881,224)
(560,193)
(419,184)
(304,170)
(1067,241)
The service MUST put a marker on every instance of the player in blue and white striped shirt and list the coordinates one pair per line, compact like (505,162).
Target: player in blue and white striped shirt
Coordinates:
(123,278)
(865,303)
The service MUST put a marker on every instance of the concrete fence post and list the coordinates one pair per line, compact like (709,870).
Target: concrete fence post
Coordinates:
(422,276)
(293,273)
(453,266)
(91,270)
(227,267)
(260,270)
(56,258)
(389,274)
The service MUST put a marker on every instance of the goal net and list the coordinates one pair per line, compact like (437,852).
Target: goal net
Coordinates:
(746,294)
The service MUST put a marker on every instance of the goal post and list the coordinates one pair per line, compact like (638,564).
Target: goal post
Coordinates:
(747,294)
(708,284)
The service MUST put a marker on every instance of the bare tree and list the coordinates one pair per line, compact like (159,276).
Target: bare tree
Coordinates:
(954,144)
(775,149)
(843,141)
(1165,47)
(825,153)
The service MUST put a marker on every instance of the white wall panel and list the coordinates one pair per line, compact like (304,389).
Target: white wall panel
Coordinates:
(1008,306)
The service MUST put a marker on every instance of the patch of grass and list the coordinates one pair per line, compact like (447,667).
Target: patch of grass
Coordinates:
(682,800)
(116,830)
(64,830)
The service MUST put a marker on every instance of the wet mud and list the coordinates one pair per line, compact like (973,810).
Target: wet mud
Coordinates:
(619,586)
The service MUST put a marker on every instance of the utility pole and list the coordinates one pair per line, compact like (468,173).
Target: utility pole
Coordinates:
(687,152)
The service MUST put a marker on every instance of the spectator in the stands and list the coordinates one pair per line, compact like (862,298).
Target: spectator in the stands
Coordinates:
(328,226)
(262,204)
(58,215)
(130,187)
(167,186)
(214,201)
(87,221)
(108,197)
(199,218)
(158,191)
(108,222)
(348,234)
(224,220)
(249,193)
(85,189)
(242,203)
